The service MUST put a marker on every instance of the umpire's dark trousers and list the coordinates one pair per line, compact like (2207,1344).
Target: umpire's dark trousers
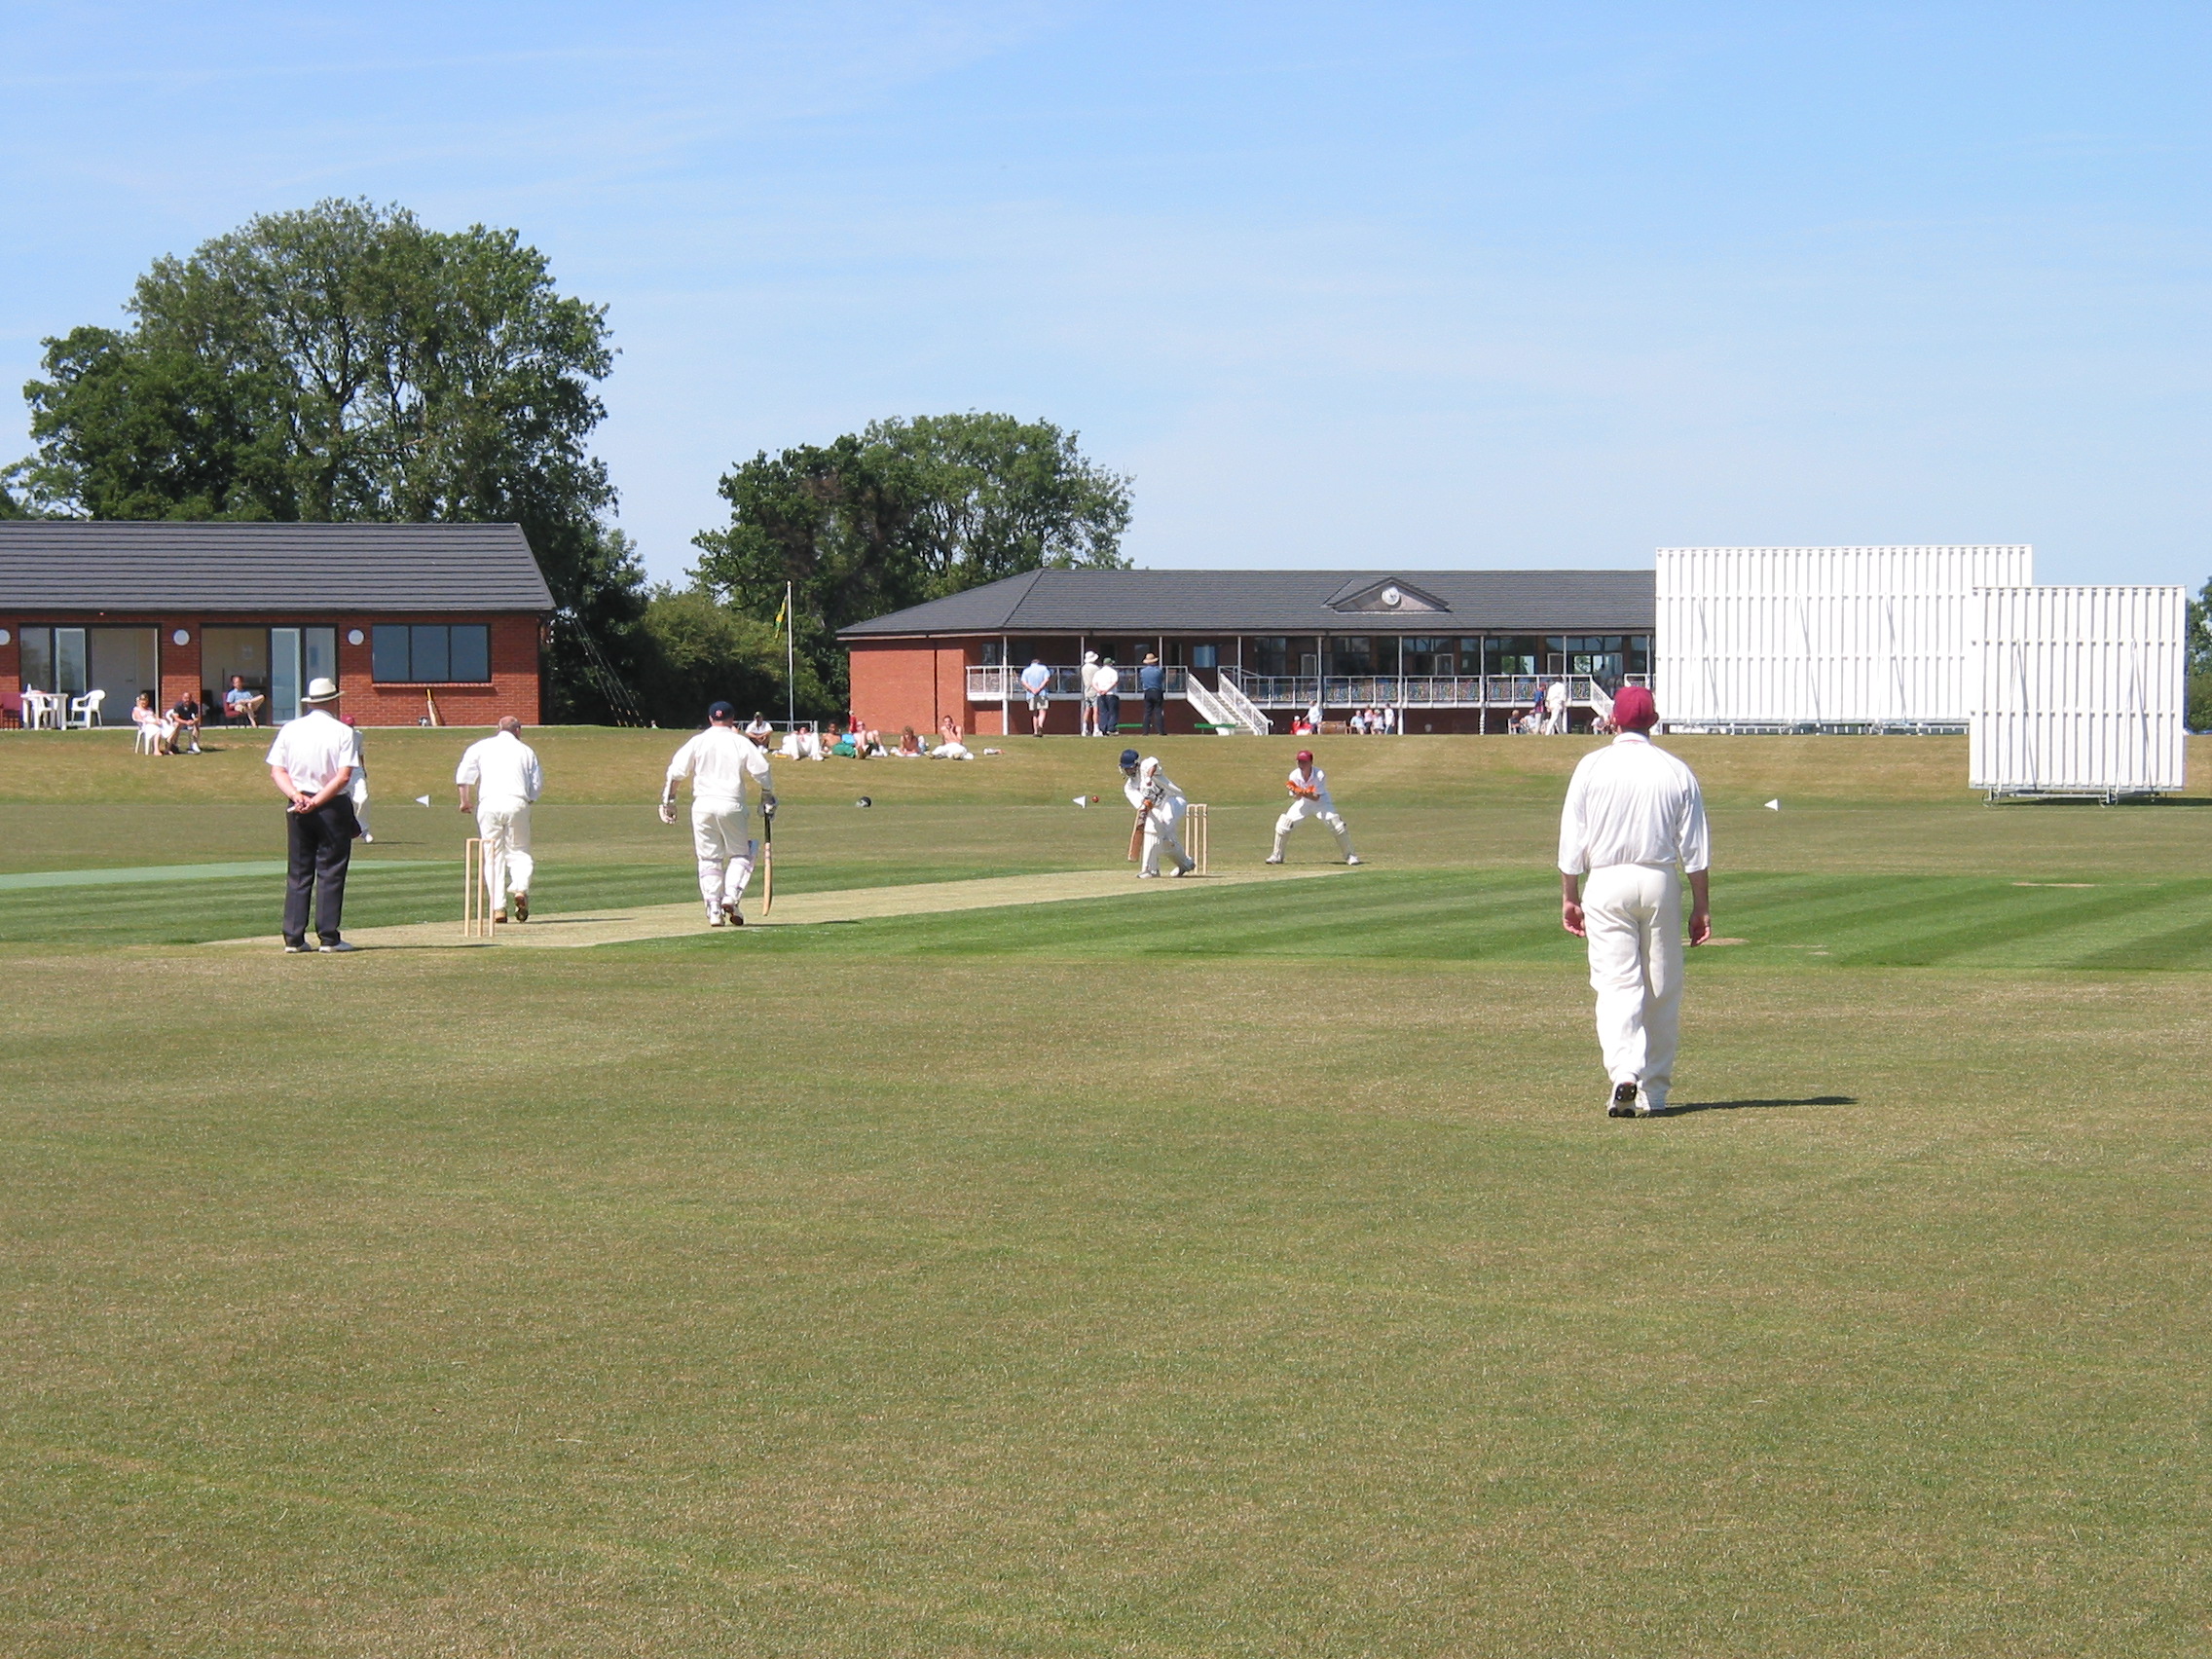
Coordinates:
(320,847)
(1156,712)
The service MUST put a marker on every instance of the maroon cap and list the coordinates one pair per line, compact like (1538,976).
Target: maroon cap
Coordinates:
(1304,755)
(1634,710)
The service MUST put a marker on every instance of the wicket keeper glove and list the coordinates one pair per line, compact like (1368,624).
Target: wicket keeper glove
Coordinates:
(667,811)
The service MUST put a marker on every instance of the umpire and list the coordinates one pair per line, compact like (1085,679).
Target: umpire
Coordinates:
(313,761)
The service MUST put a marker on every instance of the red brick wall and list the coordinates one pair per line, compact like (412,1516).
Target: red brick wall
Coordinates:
(515,687)
(911,682)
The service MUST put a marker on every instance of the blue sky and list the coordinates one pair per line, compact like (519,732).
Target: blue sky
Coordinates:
(1365,286)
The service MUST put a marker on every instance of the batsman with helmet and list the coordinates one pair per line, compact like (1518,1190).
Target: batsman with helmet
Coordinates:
(1159,807)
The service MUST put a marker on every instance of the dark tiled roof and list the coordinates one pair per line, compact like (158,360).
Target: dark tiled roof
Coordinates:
(1279,602)
(79,565)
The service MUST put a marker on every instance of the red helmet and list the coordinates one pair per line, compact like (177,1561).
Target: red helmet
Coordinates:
(1306,756)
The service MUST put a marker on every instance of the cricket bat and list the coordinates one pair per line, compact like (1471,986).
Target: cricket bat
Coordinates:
(1136,833)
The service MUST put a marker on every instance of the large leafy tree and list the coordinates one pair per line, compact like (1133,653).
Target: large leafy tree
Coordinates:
(902,512)
(346,363)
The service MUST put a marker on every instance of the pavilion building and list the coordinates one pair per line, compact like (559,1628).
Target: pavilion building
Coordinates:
(1450,650)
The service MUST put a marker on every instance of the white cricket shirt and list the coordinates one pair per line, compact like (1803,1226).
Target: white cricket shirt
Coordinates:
(1318,781)
(315,749)
(1632,804)
(503,767)
(717,761)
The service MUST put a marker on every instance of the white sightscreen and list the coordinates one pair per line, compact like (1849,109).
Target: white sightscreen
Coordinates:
(2079,688)
(1823,635)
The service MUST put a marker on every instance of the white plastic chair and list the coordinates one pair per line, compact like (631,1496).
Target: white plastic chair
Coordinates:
(85,711)
(149,737)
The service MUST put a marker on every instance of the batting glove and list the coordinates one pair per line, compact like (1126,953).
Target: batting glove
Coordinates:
(767,806)
(668,812)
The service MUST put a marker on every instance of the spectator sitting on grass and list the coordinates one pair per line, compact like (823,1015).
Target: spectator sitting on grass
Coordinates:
(910,746)
(949,746)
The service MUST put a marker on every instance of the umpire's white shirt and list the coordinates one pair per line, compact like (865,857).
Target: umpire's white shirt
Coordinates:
(1632,804)
(315,749)
(717,761)
(503,767)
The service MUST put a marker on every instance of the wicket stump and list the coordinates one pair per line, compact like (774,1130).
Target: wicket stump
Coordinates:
(1200,833)
(475,902)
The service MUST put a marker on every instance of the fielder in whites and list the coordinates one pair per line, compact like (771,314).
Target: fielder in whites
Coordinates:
(1310,799)
(1632,827)
(508,778)
(717,761)
(1154,795)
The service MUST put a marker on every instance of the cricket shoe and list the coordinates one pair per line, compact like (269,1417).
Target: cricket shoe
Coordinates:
(1187,869)
(522,906)
(1273,861)
(1624,1101)
(714,919)
(498,917)
(303,949)
(1147,875)
(1646,1107)
(1353,859)
(732,916)
(337,947)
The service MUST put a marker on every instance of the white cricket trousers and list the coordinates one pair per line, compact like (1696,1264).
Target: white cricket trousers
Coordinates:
(1633,914)
(1160,826)
(505,826)
(1299,811)
(725,852)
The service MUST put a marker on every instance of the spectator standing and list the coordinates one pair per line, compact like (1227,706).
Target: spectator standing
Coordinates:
(1634,826)
(241,703)
(508,778)
(1037,682)
(312,763)
(1151,684)
(1313,715)
(1555,708)
(1087,682)
(1109,679)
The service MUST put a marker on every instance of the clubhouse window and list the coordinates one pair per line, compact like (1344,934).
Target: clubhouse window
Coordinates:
(430,654)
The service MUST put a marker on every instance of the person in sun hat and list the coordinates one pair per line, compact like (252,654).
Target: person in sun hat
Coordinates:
(1308,789)
(313,764)
(1632,829)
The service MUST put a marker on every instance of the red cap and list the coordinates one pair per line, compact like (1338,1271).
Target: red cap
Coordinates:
(1304,756)
(1634,710)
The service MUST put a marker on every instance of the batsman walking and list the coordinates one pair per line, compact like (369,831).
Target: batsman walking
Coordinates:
(718,762)
(1634,824)
(508,778)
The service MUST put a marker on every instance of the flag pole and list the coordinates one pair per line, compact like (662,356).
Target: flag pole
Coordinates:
(791,663)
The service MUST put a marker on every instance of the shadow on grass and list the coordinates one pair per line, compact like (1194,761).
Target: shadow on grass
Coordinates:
(1687,1107)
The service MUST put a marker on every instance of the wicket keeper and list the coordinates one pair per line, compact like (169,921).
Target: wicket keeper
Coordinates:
(1310,799)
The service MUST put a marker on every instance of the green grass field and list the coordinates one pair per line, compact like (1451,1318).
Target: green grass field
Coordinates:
(1255,1274)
